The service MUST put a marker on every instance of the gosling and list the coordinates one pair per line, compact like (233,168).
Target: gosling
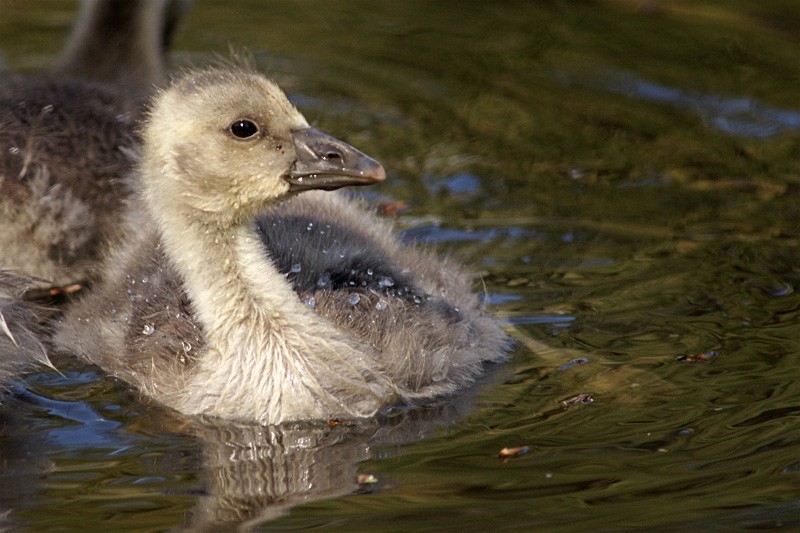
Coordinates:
(242,289)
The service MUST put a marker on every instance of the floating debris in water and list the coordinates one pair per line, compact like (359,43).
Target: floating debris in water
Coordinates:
(391,207)
(366,479)
(699,358)
(333,422)
(582,398)
(511,453)
(148,329)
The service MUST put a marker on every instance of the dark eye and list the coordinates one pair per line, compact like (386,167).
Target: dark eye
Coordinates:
(243,128)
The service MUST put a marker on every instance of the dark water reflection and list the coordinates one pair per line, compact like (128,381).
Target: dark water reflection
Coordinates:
(625,176)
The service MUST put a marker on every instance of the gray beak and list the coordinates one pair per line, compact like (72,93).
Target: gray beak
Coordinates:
(324,162)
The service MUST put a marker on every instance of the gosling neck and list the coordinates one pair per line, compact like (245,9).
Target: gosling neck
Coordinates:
(268,357)
(215,261)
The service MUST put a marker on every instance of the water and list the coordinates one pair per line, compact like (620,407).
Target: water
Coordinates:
(625,179)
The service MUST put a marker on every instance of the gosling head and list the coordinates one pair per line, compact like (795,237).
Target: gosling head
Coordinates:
(221,144)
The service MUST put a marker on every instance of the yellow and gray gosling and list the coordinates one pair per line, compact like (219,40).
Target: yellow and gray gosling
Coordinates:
(238,291)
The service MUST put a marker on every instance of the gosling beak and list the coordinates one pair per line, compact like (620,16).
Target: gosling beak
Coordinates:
(324,162)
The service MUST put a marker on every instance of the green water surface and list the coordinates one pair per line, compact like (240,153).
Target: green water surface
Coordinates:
(625,178)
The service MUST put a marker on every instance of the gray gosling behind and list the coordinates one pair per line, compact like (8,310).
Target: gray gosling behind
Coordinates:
(65,142)
(121,42)
(238,292)
(66,138)
(64,149)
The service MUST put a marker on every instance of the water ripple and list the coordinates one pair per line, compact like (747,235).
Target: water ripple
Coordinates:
(744,117)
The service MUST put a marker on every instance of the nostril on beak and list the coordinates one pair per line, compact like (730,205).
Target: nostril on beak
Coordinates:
(333,155)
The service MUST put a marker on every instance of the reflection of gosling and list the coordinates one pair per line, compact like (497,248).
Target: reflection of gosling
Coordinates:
(230,295)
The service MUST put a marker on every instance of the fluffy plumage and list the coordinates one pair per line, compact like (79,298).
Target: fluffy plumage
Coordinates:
(22,328)
(62,154)
(65,144)
(66,138)
(230,295)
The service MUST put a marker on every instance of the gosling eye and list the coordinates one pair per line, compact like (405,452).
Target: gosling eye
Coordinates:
(243,128)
